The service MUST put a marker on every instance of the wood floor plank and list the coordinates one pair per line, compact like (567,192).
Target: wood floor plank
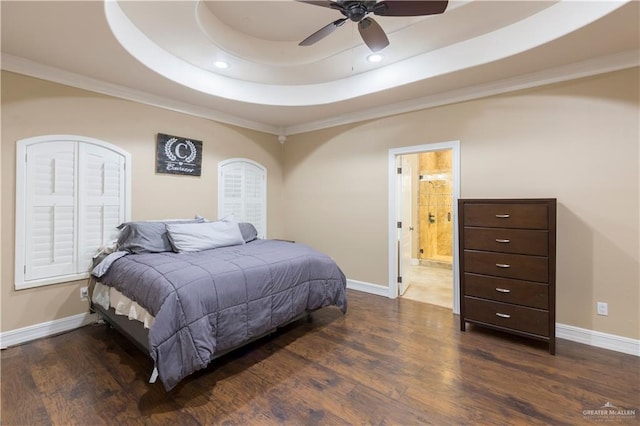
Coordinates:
(131,369)
(75,388)
(21,401)
(307,383)
(348,362)
(227,392)
(386,362)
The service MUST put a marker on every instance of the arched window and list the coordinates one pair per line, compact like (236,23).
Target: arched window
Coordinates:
(71,193)
(242,191)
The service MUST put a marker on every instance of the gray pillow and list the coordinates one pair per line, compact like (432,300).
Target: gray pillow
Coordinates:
(147,236)
(191,237)
(248,231)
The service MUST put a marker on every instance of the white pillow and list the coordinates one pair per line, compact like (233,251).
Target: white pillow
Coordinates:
(190,237)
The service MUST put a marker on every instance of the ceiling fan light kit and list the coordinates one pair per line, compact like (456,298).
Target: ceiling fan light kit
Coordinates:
(371,32)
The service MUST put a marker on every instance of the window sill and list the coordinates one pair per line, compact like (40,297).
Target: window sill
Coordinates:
(23,285)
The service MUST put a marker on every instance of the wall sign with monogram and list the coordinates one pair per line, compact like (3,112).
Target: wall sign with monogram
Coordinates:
(178,156)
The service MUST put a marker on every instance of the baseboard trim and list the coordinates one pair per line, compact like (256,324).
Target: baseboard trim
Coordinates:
(378,290)
(598,339)
(568,332)
(45,329)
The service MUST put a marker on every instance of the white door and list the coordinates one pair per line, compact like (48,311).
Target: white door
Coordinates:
(405,215)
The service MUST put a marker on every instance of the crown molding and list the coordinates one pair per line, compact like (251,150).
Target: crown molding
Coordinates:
(33,69)
(616,62)
(555,21)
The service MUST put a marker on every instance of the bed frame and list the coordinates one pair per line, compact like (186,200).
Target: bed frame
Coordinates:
(135,332)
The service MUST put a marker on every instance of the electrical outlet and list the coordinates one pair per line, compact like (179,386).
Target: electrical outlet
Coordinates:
(602,308)
(84,293)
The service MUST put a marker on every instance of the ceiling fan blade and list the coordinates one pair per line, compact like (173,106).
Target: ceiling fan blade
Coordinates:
(410,8)
(322,32)
(373,34)
(323,3)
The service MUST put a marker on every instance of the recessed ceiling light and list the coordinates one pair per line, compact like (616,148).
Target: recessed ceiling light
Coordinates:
(375,57)
(221,64)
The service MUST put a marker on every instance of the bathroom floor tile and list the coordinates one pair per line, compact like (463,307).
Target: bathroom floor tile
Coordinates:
(429,285)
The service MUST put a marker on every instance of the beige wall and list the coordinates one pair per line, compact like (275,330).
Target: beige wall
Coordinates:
(575,141)
(32,107)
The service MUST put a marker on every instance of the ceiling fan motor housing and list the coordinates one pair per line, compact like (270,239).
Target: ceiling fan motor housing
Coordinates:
(357,10)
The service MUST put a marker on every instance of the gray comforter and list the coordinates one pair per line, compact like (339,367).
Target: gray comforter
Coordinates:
(213,300)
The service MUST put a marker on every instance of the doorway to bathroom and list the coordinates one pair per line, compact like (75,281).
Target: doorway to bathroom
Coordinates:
(426,190)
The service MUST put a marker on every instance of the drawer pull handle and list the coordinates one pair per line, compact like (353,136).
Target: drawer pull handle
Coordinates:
(498,240)
(503,290)
(498,314)
(503,265)
(502,216)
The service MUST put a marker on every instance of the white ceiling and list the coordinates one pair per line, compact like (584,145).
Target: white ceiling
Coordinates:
(162,53)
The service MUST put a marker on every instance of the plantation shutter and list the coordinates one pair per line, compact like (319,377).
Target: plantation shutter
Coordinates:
(101,200)
(71,193)
(254,199)
(50,213)
(232,194)
(242,192)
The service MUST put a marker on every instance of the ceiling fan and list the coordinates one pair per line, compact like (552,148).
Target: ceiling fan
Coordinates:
(371,32)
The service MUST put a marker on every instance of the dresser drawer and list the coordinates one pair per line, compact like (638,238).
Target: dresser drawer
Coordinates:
(507,240)
(525,293)
(529,320)
(519,266)
(526,216)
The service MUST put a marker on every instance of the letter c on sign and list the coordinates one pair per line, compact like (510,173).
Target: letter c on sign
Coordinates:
(178,150)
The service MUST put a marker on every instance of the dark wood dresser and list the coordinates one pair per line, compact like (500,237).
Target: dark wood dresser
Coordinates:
(508,266)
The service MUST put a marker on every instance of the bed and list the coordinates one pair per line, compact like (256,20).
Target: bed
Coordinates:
(204,300)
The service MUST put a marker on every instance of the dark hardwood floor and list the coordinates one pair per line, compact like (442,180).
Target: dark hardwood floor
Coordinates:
(387,362)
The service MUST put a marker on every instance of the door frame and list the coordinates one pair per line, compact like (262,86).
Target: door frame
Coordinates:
(395,207)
